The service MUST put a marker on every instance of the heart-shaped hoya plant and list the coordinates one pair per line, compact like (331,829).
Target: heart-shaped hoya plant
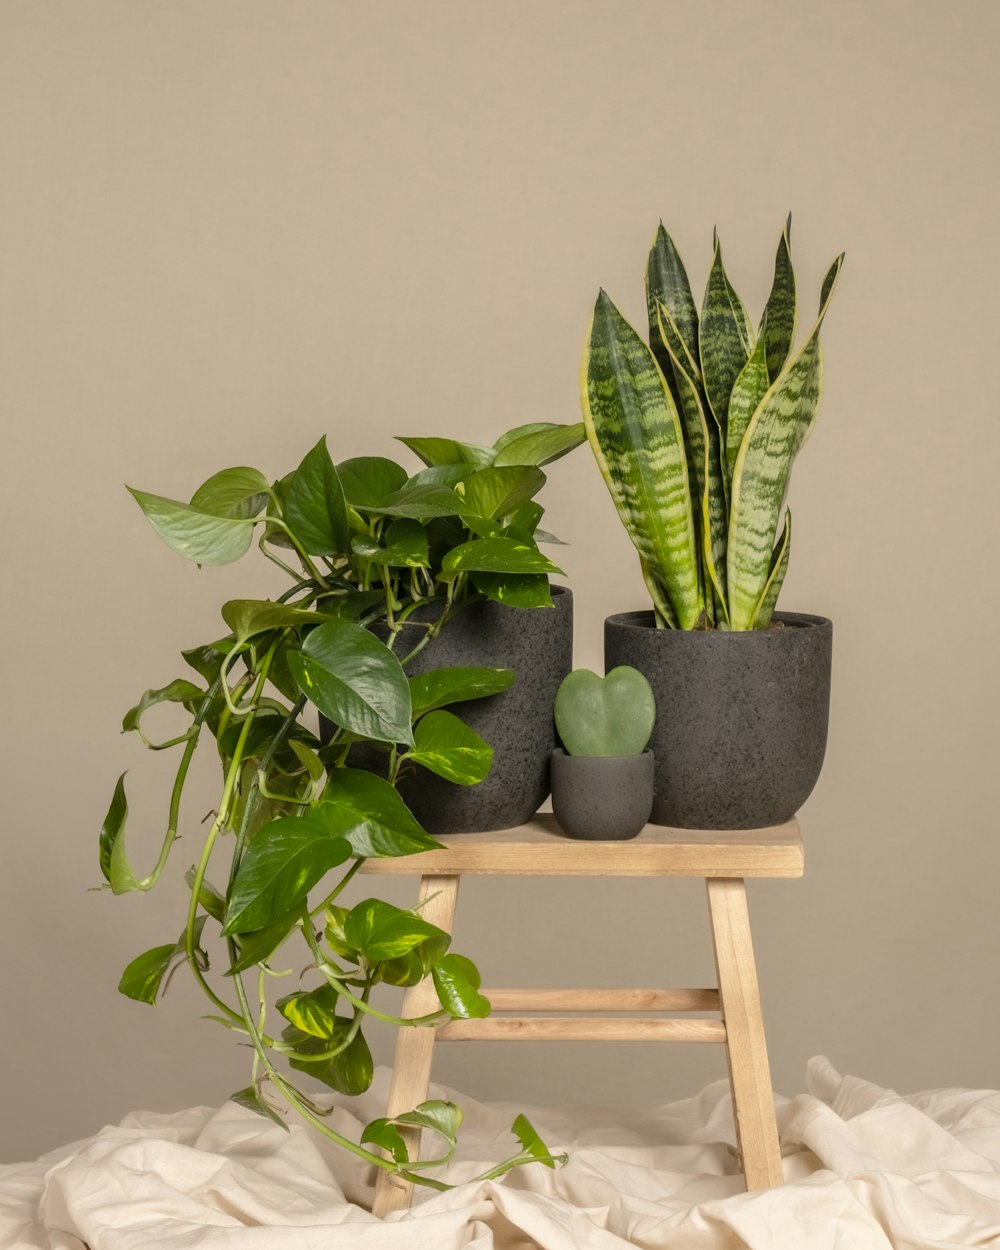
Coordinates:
(611,715)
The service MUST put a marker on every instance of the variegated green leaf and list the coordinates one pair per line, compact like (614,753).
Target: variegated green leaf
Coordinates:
(764,610)
(709,485)
(667,284)
(637,438)
(760,479)
(742,317)
(777,326)
(748,390)
(722,339)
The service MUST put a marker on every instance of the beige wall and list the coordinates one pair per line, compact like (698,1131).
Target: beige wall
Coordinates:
(229,227)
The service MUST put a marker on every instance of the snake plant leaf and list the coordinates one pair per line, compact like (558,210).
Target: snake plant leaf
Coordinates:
(538,444)
(722,340)
(515,590)
(281,865)
(355,681)
(709,494)
(497,492)
(700,455)
(447,746)
(667,284)
(369,480)
(442,686)
(637,438)
(435,451)
(748,390)
(777,326)
(764,610)
(742,317)
(776,432)
(315,506)
(200,536)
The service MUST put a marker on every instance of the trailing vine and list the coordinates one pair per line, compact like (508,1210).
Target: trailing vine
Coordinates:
(366,545)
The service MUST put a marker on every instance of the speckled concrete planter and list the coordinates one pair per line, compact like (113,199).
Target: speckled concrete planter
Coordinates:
(741,717)
(537,643)
(606,798)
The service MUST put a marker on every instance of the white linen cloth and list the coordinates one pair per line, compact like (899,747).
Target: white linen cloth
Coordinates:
(865,1169)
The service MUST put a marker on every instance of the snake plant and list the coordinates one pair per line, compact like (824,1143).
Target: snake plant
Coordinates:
(695,434)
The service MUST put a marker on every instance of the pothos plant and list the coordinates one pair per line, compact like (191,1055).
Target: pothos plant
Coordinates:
(365,544)
(695,434)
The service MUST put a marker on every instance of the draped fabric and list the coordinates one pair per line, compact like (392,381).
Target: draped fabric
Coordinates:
(865,1169)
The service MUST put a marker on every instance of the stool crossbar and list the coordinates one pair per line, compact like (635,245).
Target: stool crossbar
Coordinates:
(723,858)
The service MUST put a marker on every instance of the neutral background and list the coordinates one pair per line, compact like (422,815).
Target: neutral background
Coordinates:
(227,228)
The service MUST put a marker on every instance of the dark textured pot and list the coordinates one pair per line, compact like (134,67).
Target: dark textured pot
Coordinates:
(741,718)
(537,643)
(602,798)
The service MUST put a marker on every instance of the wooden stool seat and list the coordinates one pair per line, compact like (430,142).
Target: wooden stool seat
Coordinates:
(723,858)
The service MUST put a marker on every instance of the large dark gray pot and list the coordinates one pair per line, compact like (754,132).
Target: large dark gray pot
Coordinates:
(741,718)
(537,643)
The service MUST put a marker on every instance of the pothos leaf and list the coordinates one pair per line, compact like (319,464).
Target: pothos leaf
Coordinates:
(457,982)
(527,1135)
(315,507)
(143,977)
(114,823)
(251,1099)
(282,864)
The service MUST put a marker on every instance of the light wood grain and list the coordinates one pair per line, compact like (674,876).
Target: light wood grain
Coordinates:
(411,1071)
(603,1000)
(538,849)
(578,1029)
(749,1072)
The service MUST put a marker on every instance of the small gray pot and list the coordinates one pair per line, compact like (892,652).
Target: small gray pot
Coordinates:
(602,798)
(741,718)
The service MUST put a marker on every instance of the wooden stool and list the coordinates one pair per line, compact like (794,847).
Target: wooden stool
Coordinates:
(723,858)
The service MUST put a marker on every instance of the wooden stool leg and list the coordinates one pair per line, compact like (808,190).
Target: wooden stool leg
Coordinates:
(746,1046)
(411,1072)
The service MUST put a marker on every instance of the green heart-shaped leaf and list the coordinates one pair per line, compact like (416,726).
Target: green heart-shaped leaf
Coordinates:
(355,681)
(605,716)
(315,508)
(283,863)
(457,982)
(366,810)
(378,931)
(447,746)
